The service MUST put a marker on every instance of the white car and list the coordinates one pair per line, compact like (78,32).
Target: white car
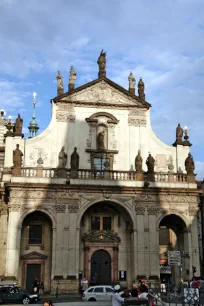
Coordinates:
(98,293)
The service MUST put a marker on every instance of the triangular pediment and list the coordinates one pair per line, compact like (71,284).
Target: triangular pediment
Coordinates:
(102,92)
(101,236)
(34,255)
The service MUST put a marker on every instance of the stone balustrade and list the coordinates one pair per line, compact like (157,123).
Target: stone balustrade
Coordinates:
(87,174)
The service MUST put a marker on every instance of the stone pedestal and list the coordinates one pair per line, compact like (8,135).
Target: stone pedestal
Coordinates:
(139,176)
(16,171)
(150,177)
(171,177)
(74,174)
(61,173)
(191,178)
(39,172)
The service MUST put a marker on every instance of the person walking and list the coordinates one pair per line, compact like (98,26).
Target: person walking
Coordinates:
(117,300)
(134,291)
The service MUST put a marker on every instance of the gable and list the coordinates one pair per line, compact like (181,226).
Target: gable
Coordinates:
(34,255)
(102,92)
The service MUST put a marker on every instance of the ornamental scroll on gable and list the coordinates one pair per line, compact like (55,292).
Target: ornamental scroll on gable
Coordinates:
(101,236)
(103,93)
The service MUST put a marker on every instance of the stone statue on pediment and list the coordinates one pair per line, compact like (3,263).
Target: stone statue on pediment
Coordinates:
(60,86)
(189,164)
(17,157)
(101,141)
(138,162)
(75,160)
(150,162)
(102,64)
(131,80)
(72,78)
(62,158)
(141,88)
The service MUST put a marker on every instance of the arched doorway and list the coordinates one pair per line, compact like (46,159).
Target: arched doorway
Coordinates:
(173,236)
(36,250)
(107,227)
(101,268)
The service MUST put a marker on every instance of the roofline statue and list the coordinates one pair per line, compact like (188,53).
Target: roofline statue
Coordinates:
(102,64)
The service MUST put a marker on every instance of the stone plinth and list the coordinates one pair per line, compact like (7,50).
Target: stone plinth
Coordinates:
(39,172)
(64,286)
(150,177)
(61,172)
(16,171)
(191,178)
(139,176)
(74,174)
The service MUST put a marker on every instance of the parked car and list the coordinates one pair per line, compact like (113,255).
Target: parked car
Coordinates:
(98,293)
(13,294)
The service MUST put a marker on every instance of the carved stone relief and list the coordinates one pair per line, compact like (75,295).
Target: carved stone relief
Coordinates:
(137,117)
(140,209)
(65,117)
(38,153)
(102,93)
(193,211)
(42,194)
(60,208)
(161,162)
(73,207)
(153,210)
(146,197)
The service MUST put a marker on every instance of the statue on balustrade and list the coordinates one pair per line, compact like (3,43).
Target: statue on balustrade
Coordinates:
(75,160)
(62,158)
(189,164)
(18,126)
(179,134)
(150,162)
(138,162)
(17,157)
(100,141)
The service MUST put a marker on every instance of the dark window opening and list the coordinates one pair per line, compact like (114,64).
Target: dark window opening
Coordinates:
(35,234)
(106,223)
(95,223)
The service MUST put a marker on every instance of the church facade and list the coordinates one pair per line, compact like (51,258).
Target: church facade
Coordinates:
(97,194)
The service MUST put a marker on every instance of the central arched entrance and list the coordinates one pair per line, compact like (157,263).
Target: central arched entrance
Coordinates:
(101,268)
(107,244)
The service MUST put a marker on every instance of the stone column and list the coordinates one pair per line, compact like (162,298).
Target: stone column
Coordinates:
(194,239)
(140,211)
(153,241)
(8,161)
(86,262)
(59,241)
(13,246)
(73,240)
(3,240)
(134,267)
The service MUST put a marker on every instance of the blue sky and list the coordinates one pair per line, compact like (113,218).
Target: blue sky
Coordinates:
(161,41)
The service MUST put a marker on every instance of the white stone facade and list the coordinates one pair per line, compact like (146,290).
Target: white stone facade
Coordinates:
(136,207)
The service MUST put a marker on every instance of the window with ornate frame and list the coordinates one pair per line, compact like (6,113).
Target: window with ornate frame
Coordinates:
(35,235)
(101,223)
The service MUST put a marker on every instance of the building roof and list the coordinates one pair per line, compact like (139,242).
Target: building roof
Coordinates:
(108,81)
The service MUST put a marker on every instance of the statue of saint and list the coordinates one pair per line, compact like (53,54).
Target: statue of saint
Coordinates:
(138,162)
(150,164)
(131,80)
(141,89)
(179,133)
(60,86)
(189,164)
(75,160)
(100,141)
(72,78)
(62,158)
(17,157)
(102,64)
(18,125)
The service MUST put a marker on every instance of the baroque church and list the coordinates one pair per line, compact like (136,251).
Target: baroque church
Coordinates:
(97,194)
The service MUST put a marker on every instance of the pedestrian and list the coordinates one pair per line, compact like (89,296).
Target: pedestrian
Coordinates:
(125,294)
(41,289)
(36,285)
(134,291)
(117,300)
(48,303)
(142,286)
